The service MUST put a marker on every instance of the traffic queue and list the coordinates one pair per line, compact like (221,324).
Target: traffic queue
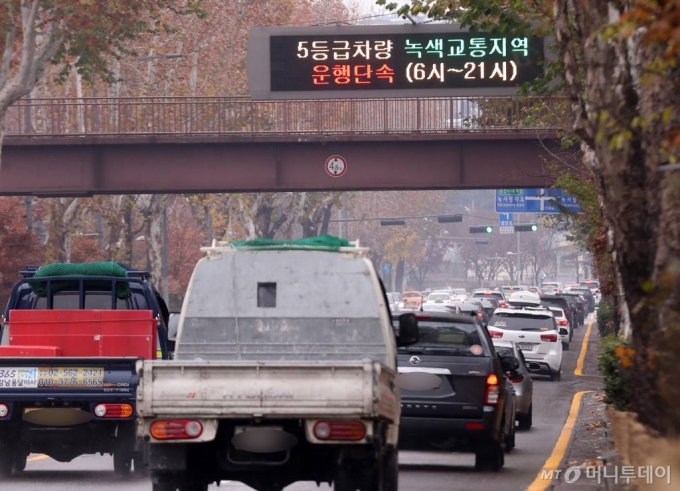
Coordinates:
(244,385)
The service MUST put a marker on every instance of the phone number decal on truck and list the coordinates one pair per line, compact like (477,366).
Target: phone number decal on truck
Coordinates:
(51,377)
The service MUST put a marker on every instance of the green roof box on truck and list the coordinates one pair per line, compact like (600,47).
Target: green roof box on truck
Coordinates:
(99,269)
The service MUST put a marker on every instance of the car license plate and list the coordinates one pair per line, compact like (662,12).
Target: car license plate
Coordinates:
(525,346)
(70,377)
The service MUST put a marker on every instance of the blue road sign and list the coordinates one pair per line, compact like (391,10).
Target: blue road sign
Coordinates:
(506,220)
(534,200)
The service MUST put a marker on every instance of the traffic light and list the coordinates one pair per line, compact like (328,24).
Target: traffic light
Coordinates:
(387,223)
(529,227)
(450,218)
(485,229)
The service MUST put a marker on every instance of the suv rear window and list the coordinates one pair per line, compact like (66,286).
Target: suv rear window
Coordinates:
(522,322)
(446,338)
(71,301)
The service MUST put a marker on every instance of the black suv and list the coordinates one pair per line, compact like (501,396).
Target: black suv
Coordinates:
(580,305)
(565,304)
(454,392)
(587,294)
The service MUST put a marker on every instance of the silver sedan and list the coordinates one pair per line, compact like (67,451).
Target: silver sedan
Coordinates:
(521,380)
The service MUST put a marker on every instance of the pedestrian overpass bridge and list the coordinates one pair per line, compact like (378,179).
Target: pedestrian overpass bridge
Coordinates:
(225,144)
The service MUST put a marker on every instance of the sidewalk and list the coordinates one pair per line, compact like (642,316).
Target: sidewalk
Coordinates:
(590,456)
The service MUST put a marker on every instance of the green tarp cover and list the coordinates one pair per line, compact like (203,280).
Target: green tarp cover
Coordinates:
(327,243)
(80,270)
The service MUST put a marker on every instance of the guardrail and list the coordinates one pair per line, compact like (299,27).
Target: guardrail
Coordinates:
(243,116)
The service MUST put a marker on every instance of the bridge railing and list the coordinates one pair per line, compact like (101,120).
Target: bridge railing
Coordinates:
(242,116)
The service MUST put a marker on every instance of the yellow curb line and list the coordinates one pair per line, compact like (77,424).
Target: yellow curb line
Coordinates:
(38,457)
(584,349)
(540,483)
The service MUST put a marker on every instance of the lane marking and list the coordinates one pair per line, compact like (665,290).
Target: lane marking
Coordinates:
(584,349)
(557,455)
(38,457)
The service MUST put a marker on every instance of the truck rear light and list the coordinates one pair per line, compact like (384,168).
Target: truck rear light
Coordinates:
(113,410)
(340,430)
(495,334)
(176,429)
(563,323)
(492,389)
(4,410)
(550,338)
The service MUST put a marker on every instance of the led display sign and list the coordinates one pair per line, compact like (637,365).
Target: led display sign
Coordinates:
(384,61)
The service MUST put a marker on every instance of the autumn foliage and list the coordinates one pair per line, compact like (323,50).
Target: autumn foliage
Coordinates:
(18,246)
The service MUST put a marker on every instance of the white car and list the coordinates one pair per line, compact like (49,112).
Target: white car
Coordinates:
(562,325)
(536,334)
(459,294)
(439,302)
(524,298)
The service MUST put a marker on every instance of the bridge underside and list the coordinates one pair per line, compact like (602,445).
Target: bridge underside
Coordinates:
(101,165)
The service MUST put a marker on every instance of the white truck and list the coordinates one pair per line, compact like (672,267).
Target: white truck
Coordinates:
(284,371)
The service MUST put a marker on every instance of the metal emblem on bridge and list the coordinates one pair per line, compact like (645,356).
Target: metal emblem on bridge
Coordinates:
(414,360)
(336,166)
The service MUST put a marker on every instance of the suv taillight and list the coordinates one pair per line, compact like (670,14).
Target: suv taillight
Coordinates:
(491,389)
(550,338)
(563,323)
(495,334)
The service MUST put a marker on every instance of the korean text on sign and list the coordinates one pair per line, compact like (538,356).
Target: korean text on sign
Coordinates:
(341,50)
(474,47)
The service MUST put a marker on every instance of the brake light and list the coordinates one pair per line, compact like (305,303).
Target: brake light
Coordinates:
(495,334)
(474,426)
(479,314)
(563,323)
(176,429)
(340,430)
(113,410)
(492,389)
(550,338)
(502,303)
(515,377)
(4,410)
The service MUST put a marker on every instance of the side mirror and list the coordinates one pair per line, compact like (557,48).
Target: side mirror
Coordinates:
(509,363)
(408,330)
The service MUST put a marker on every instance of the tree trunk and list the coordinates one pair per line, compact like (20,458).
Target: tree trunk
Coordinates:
(641,205)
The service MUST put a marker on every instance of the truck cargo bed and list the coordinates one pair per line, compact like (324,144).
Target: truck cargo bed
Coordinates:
(271,389)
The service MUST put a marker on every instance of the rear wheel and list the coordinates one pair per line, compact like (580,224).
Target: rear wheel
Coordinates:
(19,462)
(370,475)
(122,462)
(565,346)
(525,420)
(489,457)
(510,439)
(6,460)
(557,375)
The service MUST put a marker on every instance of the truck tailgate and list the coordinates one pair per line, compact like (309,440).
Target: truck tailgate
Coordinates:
(234,390)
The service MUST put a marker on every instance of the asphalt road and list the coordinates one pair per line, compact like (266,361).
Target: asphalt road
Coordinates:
(419,471)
